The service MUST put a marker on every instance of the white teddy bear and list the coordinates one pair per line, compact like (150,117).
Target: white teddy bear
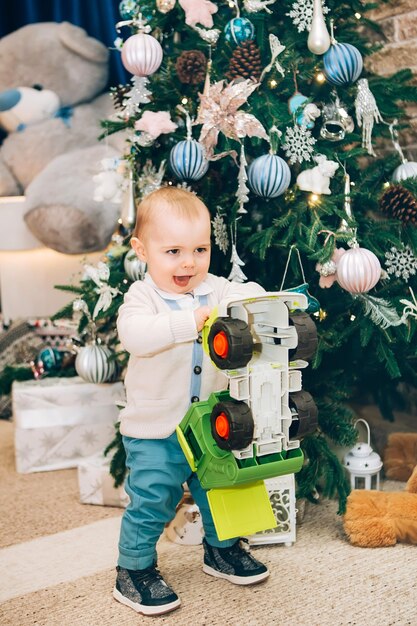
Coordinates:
(52,100)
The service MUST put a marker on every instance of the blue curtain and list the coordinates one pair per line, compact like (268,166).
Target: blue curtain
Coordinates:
(97,17)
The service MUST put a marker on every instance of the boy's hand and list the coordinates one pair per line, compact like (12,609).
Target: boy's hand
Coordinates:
(201,315)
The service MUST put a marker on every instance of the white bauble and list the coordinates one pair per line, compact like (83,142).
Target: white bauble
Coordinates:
(142,54)
(405,170)
(358,270)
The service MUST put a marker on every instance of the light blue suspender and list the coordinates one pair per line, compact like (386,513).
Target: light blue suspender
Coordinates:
(197,357)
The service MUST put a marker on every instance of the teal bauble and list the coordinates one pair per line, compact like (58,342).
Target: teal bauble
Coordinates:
(50,359)
(239,29)
(128,9)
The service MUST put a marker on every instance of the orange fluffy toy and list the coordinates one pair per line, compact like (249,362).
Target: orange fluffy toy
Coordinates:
(376,519)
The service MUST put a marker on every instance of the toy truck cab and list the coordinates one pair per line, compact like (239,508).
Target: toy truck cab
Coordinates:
(262,345)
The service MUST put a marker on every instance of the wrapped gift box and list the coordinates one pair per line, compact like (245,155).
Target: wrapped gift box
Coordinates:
(96,485)
(61,421)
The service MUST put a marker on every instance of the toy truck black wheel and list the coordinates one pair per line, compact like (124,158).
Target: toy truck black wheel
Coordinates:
(230,343)
(304,411)
(307,337)
(232,425)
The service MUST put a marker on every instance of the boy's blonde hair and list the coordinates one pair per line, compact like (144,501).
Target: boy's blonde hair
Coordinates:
(154,205)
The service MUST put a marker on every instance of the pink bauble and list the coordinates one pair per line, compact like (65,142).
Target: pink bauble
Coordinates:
(142,54)
(358,270)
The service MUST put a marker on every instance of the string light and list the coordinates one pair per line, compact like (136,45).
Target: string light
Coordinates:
(320,77)
(272,83)
(313,199)
(352,318)
(386,184)
(358,16)
(184,100)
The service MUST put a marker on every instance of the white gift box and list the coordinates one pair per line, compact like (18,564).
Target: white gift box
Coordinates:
(96,485)
(61,421)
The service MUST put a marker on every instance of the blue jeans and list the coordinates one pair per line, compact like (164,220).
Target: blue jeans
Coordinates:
(157,471)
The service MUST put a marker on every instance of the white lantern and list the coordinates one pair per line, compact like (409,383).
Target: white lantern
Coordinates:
(363,464)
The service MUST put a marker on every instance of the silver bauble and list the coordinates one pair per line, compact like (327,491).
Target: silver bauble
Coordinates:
(134,267)
(92,364)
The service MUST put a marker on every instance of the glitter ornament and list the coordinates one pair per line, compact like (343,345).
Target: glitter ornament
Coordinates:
(367,113)
(92,364)
(302,14)
(401,263)
(142,54)
(299,144)
(358,270)
(128,9)
(239,29)
(342,64)
(269,176)
(165,6)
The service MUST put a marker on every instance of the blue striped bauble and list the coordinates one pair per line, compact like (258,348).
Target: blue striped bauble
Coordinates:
(342,64)
(239,29)
(187,160)
(269,176)
(92,364)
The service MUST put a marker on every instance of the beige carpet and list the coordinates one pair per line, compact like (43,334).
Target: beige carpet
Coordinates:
(57,567)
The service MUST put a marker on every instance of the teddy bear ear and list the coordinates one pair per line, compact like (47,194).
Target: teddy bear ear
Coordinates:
(76,39)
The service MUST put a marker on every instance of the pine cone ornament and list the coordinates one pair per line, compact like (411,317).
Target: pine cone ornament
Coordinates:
(399,203)
(191,67)
(118,95)
(245,61)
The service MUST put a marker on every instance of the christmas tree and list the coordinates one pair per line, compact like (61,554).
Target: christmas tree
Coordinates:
(266,110)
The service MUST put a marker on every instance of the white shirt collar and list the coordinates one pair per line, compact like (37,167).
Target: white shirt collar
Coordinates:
(201,290)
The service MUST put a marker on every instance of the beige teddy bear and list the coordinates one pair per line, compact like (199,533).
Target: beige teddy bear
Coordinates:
(53,80)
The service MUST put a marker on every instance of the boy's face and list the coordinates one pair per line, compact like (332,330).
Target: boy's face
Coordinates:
(176,251)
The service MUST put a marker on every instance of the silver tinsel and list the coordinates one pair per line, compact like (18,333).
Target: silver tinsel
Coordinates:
(367,113)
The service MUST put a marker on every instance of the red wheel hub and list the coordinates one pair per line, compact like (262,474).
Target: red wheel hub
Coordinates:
(221,344)
(222,426)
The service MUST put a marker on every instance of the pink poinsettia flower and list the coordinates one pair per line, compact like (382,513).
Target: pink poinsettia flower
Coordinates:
(156,123)
(327,279)
(218,112)
(198,12)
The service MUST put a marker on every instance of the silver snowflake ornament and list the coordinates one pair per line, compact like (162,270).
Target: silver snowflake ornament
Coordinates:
(401,263)
(299,144)
(302,14)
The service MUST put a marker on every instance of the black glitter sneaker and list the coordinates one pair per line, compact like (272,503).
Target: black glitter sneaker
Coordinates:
(236,564)
(145,591)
